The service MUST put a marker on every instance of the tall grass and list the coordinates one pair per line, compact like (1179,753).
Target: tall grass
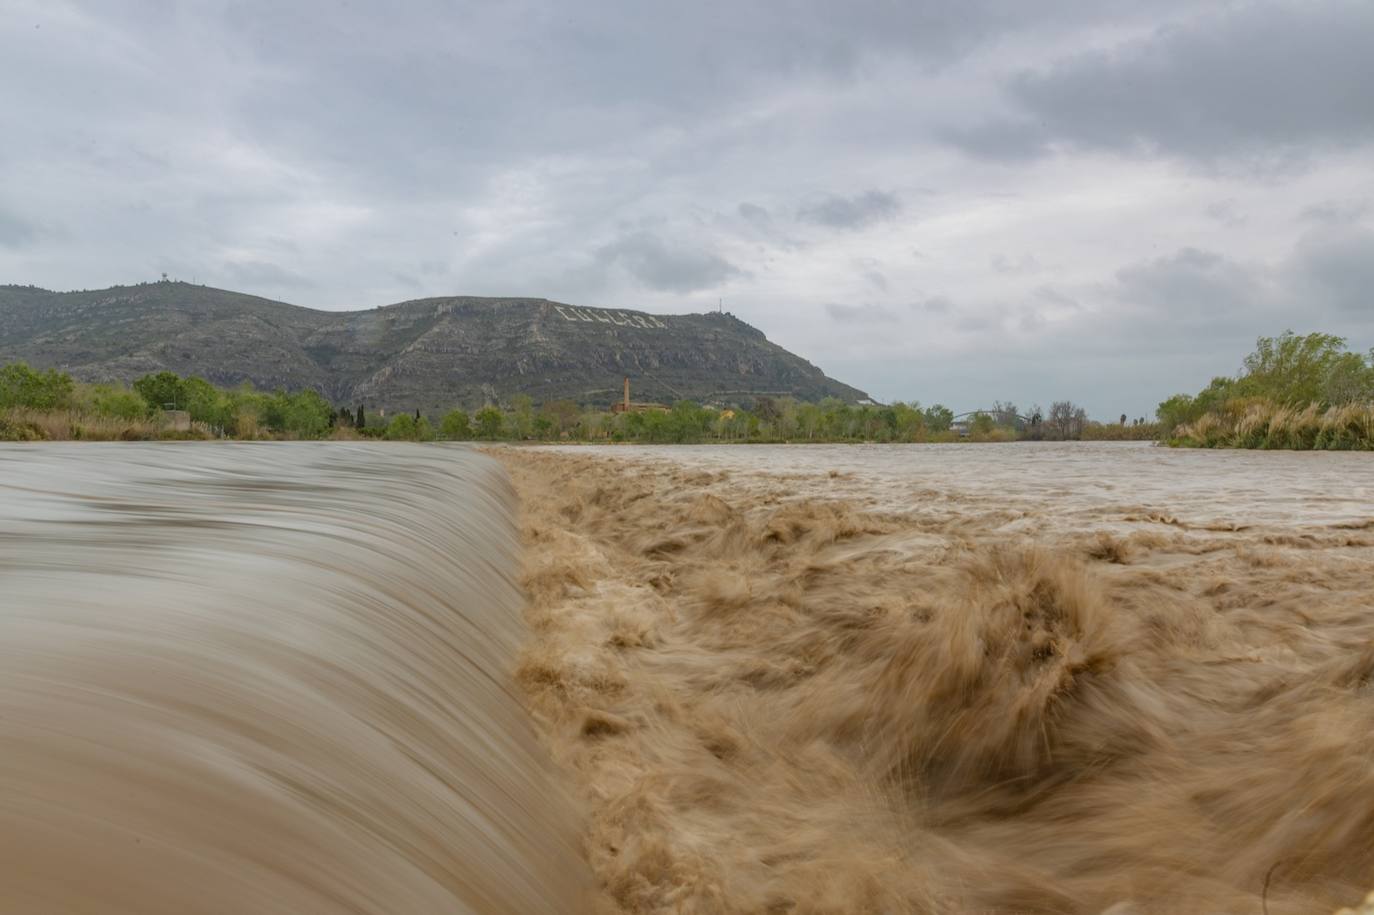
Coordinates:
(72,425)
(1256,423)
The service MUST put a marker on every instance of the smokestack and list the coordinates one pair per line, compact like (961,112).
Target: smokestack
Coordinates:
(627,393)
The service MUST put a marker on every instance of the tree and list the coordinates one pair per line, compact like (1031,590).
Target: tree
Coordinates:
(1293,370)
(401,428)
(21,386)
(455,426)
(488,420)
(1006,415)
(521,416)
(766,408)
(1066,420)
(361,421)
(305,414)
(909,423)
(206,403)
(560,417)
(118,403)
(164,390)
(939,418)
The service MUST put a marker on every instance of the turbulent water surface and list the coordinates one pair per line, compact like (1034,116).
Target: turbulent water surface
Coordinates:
(997,678)
(267,678)
(1000,678)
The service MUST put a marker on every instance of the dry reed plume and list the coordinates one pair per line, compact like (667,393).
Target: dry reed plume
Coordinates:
(1265,424)
(772,701)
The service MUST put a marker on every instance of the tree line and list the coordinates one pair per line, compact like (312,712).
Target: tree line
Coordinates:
(244,412)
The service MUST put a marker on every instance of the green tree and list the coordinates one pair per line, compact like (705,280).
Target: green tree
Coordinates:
(207,403)
(455,426)
(307,414)
(163,390)
(939,418)
(21,386)
(521,419)
(1177,410)
(909,423)
(488,421)
(562,416)
(118,403)
(1294,370)
(401,428)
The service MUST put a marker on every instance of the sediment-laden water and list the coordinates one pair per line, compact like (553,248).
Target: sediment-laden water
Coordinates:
(267,678)
(277,678)
(1024,678)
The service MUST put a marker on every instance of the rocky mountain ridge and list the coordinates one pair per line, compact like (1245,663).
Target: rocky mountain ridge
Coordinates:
(429,354)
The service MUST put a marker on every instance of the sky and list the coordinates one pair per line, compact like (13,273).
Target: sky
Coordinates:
(1096,200)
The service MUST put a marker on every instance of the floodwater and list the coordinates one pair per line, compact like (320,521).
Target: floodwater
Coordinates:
(265,678)
(986,678)
(303,677)
(1084,482)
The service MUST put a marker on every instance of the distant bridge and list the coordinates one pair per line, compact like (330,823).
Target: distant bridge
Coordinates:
(990,412)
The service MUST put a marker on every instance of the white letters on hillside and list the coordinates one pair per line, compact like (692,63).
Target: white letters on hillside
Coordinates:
(607,316)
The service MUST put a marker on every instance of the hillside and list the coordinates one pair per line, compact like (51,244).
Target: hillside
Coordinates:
(427,353)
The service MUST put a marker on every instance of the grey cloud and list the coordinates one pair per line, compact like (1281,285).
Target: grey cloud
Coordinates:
(876,280)
(1335,212)
(976,323)
(1190,284)
(669,267)
(1225,212)
(1262,79)
(854,212)
(15,232)
(936,304)
(1337,266)
(1030,320)
(756,216)
(1012,266)
(861,314)
(1055,297)
(1009,140)
(255,274)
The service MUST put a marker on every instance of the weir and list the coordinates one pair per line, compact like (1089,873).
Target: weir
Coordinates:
(267,678)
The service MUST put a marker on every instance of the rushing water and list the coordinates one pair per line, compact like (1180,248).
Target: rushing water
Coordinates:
(267,678)
(1080,481)
(1042,678)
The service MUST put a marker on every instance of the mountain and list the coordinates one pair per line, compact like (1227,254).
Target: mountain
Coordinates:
(429,354)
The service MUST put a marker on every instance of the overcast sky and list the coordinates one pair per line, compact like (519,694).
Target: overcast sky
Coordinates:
(957,201)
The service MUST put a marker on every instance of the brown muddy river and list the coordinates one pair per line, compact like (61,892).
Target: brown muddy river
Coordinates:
(267,677)
(856,679)
(983,678)
(1066,483)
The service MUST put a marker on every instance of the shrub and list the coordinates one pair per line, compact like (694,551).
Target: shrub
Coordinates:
(455,426)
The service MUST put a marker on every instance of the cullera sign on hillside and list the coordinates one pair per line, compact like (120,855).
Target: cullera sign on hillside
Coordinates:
(622,318)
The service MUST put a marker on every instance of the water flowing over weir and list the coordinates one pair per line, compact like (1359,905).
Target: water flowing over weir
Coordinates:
(267,678)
